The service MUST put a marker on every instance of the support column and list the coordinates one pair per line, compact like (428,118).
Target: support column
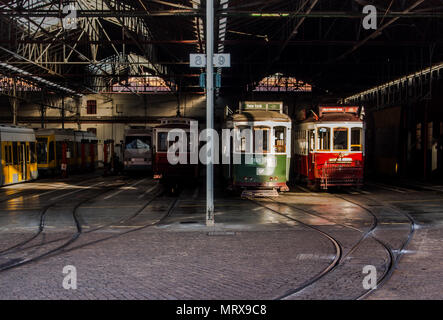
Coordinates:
(210,221)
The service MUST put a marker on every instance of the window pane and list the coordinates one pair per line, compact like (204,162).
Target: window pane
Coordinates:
(42,151)
(162,142)
(340,139)
(356,139)
(324,138)
(15,152)
(261,140)
(241,141)
(280,139)
(312,140)
(51,151)
(143,142)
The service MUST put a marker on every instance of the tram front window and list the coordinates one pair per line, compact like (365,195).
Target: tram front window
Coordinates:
(280,139)
(42,150)
(162,141)
(242,139)
(138,143)
(324,139)
(356,139)
(341,139)
(261,140)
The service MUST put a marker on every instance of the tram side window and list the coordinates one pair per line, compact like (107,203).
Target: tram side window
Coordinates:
(27,155)
(356,139)
(7,155)
(33,155)
(341,139)
(59,149)
(311,135)
(15,152)
(42,150)
(324,139)
(280,139)
(51,151)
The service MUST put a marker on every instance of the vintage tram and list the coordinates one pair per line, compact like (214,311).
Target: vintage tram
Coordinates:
(138,151)
(78,148)
(329,148)
(168,173)
(261,143)
(18,155)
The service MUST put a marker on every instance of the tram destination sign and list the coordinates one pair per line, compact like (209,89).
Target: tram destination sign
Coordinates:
(267,106)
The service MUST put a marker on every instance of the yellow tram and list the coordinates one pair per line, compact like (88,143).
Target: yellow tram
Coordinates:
(81,150)
(18,155)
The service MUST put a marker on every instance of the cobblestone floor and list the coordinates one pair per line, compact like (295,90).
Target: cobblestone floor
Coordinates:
(252,253)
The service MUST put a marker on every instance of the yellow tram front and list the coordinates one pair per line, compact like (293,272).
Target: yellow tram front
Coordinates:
(18,155)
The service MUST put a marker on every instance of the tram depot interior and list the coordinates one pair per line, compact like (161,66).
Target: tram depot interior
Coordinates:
(348,119)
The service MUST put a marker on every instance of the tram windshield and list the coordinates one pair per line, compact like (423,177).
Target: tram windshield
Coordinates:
(162,142)
(324,139)
(42,150)
(138,143)
(341,139)
(280,139)
(242,140)
(356,139)
(261,139)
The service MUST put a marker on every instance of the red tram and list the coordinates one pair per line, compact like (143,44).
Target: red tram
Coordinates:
(163,169)
(329,148)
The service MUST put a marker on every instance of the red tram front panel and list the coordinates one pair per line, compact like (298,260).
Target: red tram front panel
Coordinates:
(331,169)
(329,149)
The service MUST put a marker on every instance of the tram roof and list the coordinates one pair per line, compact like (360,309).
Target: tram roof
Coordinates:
(334,117)
(260,115)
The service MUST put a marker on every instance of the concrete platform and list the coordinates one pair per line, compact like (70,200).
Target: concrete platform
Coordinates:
(128,239)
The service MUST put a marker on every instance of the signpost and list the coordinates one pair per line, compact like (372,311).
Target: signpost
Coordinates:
(210,61)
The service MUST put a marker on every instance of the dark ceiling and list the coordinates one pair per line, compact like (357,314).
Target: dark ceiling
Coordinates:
(318,41)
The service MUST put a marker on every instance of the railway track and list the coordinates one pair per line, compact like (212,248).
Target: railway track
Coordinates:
(15,258)
(41,215)
(68,241)
(393,258)
(332,265)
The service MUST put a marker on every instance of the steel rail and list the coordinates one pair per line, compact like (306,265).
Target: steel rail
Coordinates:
(334,263)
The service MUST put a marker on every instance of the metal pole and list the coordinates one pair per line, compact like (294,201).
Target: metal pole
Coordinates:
(14,102)
(210,109)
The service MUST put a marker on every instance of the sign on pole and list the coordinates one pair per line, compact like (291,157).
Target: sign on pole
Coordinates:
(222,60)
(197,60)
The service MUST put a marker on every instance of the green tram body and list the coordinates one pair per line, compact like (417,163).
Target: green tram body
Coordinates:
(264,170)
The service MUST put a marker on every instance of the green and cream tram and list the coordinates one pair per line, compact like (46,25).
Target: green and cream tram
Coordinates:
(260,148)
